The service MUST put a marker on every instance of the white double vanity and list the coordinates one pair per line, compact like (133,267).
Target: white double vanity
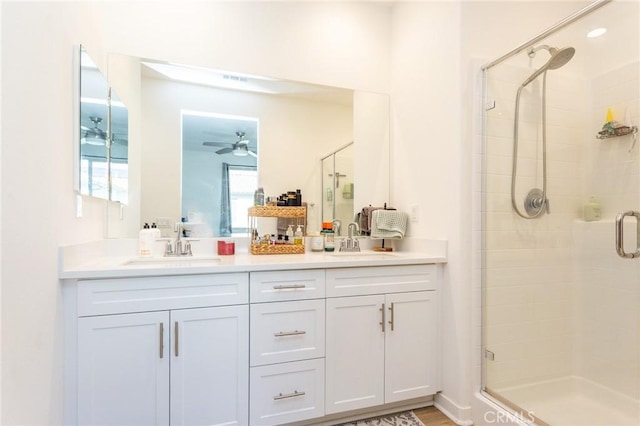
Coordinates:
(248,340)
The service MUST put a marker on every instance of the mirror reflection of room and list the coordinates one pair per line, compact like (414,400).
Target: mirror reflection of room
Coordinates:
(298,124)
(219,173)
(103,136)
(94,175)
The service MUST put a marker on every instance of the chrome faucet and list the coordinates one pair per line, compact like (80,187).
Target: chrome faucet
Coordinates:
(337,225)
(178,248)
(350,243)
(353,229)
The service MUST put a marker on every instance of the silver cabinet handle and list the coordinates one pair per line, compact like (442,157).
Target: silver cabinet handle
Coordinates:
(288,286)
(383,316)
(289,333)
(161,340)
(391,322)
(175,332)
(620,234)
(288,395)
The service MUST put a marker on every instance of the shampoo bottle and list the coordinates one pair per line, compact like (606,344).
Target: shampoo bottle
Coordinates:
(146,241)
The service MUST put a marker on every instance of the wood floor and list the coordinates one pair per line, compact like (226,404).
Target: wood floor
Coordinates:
(431,416)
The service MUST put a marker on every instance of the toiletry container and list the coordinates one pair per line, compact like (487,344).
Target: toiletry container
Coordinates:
(316,241)
(297,239)
(329,236)
(289,234)
(592,210)
(146,241)
(258,197)
(157,235)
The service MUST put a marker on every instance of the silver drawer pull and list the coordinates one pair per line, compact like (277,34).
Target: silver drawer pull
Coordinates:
(288,286)
(289,333)
(289,395)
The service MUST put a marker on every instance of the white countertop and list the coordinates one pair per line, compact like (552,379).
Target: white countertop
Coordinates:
(113,259)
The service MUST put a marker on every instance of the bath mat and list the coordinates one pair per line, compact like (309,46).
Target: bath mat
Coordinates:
(407,418)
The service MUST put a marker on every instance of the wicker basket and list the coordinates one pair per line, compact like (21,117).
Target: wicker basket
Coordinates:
(277,249)
(275,211)
(296,214)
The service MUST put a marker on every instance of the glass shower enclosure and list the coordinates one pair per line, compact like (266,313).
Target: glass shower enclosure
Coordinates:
(338,188)
(560,232)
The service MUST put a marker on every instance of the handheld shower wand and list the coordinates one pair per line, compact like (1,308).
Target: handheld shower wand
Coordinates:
(536,201)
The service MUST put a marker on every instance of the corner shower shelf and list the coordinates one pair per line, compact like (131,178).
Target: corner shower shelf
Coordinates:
(632,131)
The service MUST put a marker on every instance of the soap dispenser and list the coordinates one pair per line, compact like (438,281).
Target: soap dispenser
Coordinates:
(298,236)
(592,210)
(146,241)
(289,234)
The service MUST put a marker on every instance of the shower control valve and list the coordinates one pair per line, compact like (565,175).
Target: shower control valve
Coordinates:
(535,202)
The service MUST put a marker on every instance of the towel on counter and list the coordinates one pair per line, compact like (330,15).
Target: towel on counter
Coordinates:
(388,224)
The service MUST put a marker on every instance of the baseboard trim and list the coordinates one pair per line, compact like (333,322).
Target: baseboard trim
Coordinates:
(458,414)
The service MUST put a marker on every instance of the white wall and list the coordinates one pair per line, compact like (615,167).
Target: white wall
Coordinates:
(426,166)
(330,43)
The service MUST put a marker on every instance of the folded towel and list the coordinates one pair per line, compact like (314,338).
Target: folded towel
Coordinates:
(388,224)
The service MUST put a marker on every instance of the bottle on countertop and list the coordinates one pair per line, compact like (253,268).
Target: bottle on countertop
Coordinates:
(329,236)
(297,240)
(146,241)
(289,234)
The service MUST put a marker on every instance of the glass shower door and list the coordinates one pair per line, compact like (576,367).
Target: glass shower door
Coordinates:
(561,308)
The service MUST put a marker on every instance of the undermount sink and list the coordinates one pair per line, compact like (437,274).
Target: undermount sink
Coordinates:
(173,260)
(362,254)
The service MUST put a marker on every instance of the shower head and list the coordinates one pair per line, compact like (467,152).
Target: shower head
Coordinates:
(559,58)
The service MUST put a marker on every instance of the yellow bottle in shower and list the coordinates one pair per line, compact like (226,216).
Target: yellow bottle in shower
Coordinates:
(609,117)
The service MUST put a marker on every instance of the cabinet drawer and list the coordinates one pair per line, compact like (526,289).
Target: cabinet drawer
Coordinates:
(289,392)
(120,295)
(287,331)
(275,286)
(380,280)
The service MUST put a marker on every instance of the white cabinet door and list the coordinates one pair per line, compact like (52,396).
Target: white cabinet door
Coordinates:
(210,366)
(123,369)
(410,345)
(354,353)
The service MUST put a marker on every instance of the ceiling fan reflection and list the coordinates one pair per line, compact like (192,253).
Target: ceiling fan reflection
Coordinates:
(239,148)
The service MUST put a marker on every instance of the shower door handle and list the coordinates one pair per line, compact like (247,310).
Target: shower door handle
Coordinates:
(620,234)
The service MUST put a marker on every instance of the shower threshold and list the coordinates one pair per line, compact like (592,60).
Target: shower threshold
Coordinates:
(572,401)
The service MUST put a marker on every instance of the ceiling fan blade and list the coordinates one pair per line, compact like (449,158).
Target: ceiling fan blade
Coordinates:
(224,151)
(216,143)
(253,154)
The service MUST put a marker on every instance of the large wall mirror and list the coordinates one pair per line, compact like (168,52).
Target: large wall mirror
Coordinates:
(207,138)
(102,142)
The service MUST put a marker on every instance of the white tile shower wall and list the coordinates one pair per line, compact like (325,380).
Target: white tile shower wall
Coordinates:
(528,275)
(607,291)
